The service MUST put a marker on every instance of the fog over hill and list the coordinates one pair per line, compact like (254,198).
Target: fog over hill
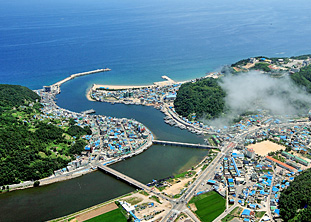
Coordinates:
(253,90)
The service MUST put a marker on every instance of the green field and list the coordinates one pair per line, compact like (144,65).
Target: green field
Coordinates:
(112,216)
(209,206)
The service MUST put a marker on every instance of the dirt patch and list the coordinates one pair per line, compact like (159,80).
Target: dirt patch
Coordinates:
(176,187)
(96,212)
(265,147)
(249,65)
(193,207)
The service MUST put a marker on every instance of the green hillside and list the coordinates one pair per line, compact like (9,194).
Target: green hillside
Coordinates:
(14,95)
(295,201)
(32,145)
(303,78)
(203,98)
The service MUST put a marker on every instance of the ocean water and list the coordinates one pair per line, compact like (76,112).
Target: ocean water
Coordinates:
(42,42)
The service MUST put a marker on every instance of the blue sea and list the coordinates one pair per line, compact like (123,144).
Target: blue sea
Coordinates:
(43,41)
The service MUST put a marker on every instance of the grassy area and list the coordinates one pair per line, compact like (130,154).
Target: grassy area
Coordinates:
(155,198)
(161,188)
(176,196)
(73,215)
(134,200)
(144,193)
(112,216)
(227,218)
(181,215)
(204,166)
(259,214)
(209,206)
(280,158)
(211,142)
(234,213)
(307,156)
(185,174)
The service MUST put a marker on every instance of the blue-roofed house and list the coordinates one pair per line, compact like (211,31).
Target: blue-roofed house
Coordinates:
(246,213)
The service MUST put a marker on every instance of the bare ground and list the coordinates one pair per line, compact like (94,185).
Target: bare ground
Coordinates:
(96,212)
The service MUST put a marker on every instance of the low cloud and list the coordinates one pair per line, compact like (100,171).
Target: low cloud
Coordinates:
(253,90)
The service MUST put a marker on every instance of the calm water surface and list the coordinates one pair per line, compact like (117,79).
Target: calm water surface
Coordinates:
(42,42)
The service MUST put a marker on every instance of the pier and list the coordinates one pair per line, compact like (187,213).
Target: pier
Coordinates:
(56,86)
(191,145)
(123,177)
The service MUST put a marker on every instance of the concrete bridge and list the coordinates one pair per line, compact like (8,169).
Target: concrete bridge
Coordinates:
(200,146)
(123,177)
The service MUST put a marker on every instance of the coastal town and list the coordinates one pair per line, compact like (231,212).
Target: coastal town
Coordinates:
(256,159)
(112,139)
(248,165)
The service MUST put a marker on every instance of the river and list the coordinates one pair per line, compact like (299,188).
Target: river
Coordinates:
(59,199)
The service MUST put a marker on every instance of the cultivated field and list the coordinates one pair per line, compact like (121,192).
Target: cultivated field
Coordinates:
(209,206)
(111,216)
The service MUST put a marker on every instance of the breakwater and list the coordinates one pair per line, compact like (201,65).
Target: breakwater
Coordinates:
(56,86)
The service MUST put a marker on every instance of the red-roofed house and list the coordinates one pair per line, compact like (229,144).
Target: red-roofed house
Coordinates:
(250,153)
(281,164)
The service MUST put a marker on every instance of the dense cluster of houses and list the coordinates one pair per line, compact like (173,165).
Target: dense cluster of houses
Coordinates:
(151,95)
(111,137)
(286,64)
(298,137)
(253,182)
(120,136)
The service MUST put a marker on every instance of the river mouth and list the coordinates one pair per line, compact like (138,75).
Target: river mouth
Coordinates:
(157,162)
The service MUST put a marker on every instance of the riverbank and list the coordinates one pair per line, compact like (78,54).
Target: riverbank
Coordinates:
(80,171)
(141,198)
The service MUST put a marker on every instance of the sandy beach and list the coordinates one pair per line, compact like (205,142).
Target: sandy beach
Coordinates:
(265,147)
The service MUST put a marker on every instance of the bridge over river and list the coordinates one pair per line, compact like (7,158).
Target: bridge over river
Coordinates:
(192,145)
(125,178)
(133,182)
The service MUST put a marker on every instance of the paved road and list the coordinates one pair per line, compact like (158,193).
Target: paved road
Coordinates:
(206,174)
(225,213)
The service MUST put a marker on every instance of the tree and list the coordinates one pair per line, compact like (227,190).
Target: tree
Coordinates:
(204,98)
(295,200)
(36,183)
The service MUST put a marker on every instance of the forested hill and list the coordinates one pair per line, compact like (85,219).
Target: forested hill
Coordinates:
(15,95)
(33,145)
(295,201)
(202,98)
(303,78)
